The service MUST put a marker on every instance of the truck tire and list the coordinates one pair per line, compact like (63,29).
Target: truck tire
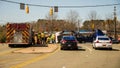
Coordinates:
(11,46)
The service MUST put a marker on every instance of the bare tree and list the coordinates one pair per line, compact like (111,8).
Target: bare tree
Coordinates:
(72,16)
(73,19)
(93,15)
(108,23)
(109,16)
(53,17)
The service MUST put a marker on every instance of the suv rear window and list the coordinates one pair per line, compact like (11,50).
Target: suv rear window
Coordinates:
(103,38)
(69,38)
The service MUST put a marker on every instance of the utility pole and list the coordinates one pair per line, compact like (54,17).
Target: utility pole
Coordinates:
(115,21)
(78,25)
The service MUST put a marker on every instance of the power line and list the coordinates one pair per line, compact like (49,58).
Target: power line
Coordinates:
(104,5)
(89,6)
(10,1)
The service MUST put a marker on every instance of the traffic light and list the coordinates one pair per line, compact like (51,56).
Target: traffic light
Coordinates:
(22,6)
(55,8)
(27,9)
(93,25)
(51,11)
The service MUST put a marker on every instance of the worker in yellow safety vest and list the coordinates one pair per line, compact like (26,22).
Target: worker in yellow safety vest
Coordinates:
(48,39)
(53,38)
(42,38)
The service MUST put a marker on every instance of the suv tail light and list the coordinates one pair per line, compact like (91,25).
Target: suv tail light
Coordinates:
(64,41)
(110,41)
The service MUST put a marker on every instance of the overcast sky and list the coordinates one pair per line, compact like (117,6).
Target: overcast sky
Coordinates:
(10,12)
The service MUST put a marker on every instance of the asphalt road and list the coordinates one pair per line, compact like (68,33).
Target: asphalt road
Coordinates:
(84,57)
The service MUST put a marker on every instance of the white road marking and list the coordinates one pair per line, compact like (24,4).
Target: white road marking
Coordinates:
(63,67)
(88,49)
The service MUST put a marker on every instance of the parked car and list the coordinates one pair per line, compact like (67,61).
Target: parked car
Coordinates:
(102,42)
(68,42)
(81,39)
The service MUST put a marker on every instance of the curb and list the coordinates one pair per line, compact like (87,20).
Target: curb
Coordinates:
(38,50)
